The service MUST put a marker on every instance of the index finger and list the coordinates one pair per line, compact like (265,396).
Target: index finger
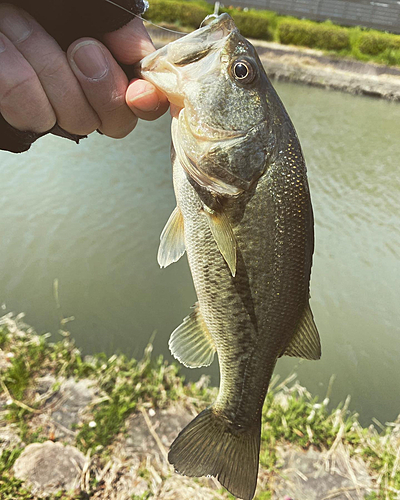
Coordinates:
(129,45)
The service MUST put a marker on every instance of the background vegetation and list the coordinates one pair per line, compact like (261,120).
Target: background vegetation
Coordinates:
(360,43)
(291,416)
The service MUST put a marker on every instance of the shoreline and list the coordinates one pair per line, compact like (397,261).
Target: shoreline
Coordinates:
(100,428)
(314,67)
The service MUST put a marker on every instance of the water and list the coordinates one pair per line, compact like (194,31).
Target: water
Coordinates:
(90,216)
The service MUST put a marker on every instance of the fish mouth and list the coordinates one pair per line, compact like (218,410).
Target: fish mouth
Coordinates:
(165,68)
(201,147)
(193,46)
(169,69)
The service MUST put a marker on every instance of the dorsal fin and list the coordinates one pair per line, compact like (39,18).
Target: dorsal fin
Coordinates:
(222,232)
(305,343)
(172,243)
(191,343)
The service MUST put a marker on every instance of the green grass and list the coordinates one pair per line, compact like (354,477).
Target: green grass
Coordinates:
(305,422)
(302,422)
(8,458)
(355,42)
(9,486)
(33,356)
(126,384)
(325,36)
(264,495)
(129,383)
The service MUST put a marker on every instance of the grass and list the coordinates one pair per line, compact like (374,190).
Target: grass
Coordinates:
(291,415)
(125,383)
(359,43)
(128,384)
(305,422)
(10,486)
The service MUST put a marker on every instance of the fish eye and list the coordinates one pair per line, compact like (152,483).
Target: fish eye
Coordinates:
(243,71)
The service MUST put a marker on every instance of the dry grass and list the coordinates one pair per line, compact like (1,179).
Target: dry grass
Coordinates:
(130,460)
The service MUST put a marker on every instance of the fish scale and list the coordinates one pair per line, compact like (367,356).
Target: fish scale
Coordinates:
(217,291)
(245,220)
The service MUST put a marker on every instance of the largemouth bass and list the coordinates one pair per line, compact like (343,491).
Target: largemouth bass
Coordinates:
(245,219)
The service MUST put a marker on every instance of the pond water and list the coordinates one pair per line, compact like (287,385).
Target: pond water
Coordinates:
(90,216)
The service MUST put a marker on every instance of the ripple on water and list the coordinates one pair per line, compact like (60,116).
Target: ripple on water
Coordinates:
(91,215)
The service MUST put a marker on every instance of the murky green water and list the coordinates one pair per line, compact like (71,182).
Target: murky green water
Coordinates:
(91,216)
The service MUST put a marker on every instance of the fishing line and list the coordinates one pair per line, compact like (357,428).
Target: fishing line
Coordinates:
(211,16)
(146,20)
(207,18)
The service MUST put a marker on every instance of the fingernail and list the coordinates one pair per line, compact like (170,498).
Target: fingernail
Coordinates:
(16,26)
(90,60)
(138,96)
(143,103)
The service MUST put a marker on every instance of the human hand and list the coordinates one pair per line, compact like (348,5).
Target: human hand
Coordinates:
(82,90)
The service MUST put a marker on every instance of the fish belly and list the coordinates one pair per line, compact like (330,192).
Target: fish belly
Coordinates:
(252,316)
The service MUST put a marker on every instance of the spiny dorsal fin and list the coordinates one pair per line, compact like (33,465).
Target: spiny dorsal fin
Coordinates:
(191,343)
(223,236)
(305,343)
(172,243)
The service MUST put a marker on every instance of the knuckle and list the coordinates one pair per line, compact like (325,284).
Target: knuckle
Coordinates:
(114,105)
(83,125)
(118,129)
(17,85)
(117,120)
(52,64)
(23,102)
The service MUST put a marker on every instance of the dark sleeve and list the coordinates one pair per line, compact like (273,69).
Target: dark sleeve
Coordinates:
(66,21)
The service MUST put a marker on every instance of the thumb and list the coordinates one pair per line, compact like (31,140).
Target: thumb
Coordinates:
(130,43)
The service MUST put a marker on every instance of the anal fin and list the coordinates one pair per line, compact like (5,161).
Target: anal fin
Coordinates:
(305,342)
(191,343)
(172,243)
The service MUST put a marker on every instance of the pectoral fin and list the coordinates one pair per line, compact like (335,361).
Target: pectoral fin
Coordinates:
(305,343)
(222,231)
(172,244)
(191,343)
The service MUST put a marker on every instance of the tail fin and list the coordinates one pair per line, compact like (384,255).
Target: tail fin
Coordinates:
(211,446)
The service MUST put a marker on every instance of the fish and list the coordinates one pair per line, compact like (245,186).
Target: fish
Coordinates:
(244,218)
